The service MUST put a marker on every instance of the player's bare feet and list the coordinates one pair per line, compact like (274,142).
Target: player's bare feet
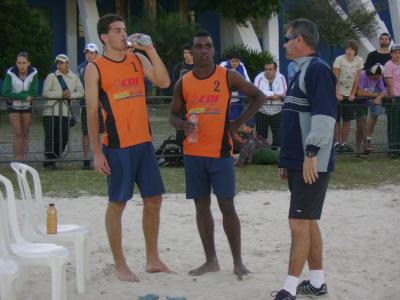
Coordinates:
(125,274)
(240,270)
(205,268)
(158,266)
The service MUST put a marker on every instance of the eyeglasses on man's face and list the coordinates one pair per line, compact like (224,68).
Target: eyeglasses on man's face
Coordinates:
(290,37)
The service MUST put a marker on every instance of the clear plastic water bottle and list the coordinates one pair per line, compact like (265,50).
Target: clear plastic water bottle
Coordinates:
(144,40)
(194,136)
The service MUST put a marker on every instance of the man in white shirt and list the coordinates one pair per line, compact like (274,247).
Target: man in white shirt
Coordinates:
(273,85)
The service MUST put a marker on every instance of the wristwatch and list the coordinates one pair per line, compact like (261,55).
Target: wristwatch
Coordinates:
(310,154)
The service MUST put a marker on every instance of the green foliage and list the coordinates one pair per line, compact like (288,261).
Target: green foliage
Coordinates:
(21,30)
(241,10)
(334,31)
(168,33)
(252,59)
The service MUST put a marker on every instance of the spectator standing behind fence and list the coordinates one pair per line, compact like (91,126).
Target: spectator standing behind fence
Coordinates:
(306,158)
(91,52)
(63,86)
(392,78)
(347,69)
(179,70)
(20,85)
(273,85)
(370,85)
(381,56)
(237,102)
(185,65)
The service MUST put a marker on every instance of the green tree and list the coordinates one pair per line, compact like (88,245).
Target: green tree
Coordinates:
(241,10)
(21,30)
(334,30)
(253,60)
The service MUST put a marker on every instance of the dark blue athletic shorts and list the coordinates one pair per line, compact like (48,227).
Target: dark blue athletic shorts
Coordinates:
(202,173)
(306,200)
(130,165)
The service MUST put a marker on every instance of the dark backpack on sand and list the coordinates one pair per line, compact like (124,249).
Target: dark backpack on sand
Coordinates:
(170,153)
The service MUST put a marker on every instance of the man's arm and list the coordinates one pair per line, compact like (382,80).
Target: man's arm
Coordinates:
(175,109)
(236,81)
(355,85)
(154,69)
(92,106)
(389,84)
(336,72)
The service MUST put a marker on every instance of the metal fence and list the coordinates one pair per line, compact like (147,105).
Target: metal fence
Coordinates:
(158,112)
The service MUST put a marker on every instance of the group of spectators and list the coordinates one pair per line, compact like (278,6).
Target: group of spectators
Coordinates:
(21,84)
(362,88)
(360,91)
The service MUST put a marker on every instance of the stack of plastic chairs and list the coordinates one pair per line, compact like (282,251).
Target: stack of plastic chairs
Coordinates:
(25,253)
(35,223)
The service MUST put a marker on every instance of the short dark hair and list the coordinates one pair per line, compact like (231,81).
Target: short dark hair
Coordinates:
(187,46)
(202,33)
(103,25)
(307,29)
(385,34)
(351,44)
(272,63)
(23,54)
(234,54)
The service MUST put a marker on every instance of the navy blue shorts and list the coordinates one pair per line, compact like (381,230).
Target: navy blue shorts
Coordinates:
(135,164)
(202,173)
(307,200)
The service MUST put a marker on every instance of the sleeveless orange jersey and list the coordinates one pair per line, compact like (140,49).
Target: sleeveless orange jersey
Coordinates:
(122,97)
(209,99)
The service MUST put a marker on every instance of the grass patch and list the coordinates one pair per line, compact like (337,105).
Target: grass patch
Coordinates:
(351,172)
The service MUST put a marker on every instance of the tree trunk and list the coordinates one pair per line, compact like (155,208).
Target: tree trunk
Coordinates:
(183,11)
(150,7)
(120,7)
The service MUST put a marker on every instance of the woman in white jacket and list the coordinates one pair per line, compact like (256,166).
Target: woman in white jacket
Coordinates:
(20,85)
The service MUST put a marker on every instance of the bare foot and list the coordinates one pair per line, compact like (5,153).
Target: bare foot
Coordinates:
(125,274)
(158,266)
(205,268)
(240,270)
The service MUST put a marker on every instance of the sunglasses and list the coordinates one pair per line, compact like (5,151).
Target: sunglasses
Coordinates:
(290,37)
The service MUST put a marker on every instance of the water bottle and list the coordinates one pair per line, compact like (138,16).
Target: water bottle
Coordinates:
(194,136)
(143,40)
(51,219)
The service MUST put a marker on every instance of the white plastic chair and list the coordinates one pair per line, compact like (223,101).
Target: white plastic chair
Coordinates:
(35,223)
(8,276)
(26,253)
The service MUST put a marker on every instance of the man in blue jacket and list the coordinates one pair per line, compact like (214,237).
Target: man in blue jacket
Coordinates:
(307,155)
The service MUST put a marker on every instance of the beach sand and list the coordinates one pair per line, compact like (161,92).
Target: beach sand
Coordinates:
(360,229)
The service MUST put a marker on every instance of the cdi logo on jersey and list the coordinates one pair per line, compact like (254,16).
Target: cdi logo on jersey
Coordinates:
(127,88)
(127,82)
(206,99)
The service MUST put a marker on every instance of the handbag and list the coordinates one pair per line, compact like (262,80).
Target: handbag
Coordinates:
(64,86)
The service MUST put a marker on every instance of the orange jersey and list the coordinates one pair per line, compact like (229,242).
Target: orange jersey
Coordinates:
(209,99)
(122,97)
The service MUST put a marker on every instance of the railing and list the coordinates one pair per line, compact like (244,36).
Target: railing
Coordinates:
(158,112)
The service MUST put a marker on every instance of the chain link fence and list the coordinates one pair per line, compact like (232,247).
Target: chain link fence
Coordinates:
(158,109)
